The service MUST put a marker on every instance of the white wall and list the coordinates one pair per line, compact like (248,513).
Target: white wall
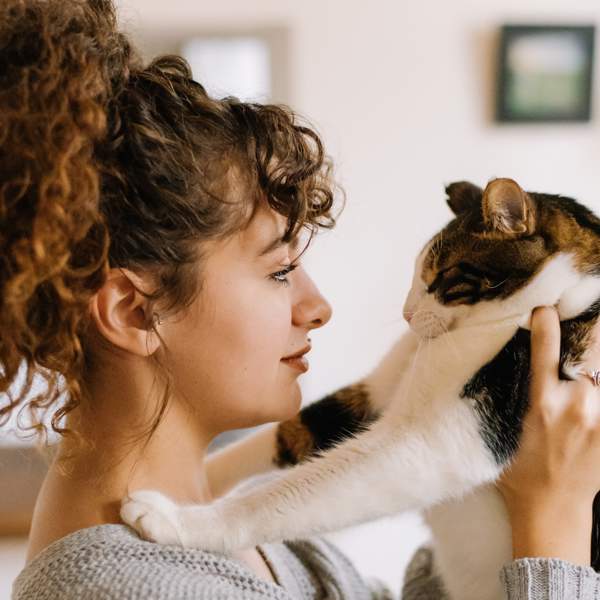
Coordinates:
(12,558)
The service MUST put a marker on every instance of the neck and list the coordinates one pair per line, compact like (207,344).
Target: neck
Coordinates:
(118,458)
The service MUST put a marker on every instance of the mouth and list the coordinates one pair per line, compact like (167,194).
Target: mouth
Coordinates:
(298,361)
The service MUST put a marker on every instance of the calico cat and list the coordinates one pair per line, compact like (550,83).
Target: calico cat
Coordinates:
(440,417)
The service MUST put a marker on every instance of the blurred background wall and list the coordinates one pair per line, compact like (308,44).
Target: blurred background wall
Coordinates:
(403,95)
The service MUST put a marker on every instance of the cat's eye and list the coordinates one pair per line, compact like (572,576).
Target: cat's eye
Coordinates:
(460,287)
(456,283)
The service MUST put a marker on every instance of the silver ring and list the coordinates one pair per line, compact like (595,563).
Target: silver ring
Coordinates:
(594,375)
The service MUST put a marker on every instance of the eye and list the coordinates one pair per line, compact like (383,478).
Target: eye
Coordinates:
(281,276)
(457,282)
(459,287)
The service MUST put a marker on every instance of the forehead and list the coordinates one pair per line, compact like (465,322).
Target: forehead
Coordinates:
(265,233)
(265,226)
(448,246)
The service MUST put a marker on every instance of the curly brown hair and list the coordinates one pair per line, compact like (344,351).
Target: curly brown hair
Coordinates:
(106,163)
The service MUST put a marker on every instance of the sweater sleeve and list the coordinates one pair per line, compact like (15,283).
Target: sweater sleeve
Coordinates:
(523,579)
(420,580)
(336,574)
(549,579)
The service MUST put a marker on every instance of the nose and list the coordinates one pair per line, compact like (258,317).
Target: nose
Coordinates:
(408,315)
(310,309)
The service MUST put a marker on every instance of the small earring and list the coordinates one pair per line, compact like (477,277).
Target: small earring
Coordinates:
(156,318)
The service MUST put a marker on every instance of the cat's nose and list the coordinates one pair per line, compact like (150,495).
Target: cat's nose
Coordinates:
(408,315)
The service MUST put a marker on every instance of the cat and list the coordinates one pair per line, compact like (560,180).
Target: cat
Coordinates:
(439,418)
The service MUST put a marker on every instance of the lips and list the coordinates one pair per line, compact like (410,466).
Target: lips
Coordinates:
(297,360)
(299,353)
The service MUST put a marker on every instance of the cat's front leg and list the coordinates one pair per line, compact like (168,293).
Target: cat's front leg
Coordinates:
(398,361)
(155,517)
(346,412)
(387,469)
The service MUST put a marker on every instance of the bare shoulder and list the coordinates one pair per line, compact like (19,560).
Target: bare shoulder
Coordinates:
(63,507)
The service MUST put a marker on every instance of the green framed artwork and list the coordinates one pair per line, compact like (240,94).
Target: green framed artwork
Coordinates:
(545,73)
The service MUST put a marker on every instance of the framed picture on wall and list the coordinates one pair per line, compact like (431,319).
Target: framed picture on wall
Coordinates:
(238,65)
(545,73)
(251,63)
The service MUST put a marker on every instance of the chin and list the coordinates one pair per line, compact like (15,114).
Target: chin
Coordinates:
(289,406)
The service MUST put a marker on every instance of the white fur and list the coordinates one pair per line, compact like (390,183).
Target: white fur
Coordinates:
(472,540)
(425,451)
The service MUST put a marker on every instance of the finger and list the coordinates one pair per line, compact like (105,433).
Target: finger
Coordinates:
(545,345)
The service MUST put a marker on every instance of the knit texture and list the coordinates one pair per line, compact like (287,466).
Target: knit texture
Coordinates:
(523,579)
(420,580)
(111,562)
(549,579)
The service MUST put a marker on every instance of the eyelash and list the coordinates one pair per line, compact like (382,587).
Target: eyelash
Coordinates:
(280,276)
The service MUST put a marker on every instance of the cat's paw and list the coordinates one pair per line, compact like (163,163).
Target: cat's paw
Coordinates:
(154,516)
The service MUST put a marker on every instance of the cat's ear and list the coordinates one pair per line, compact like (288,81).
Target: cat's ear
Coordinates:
(507,209)
(463,196)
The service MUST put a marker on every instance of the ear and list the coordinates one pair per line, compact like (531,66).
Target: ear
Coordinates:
(119,312)
(507,209)
(463,196)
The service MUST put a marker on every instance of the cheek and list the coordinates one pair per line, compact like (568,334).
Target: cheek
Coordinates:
(258,384)
(428,317)
(418,289)
(415,297)
(228,362)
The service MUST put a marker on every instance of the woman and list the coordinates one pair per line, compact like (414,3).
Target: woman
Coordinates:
(151,256)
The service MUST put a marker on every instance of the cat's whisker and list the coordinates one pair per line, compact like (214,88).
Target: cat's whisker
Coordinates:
(419,311)
(491,287)
(428,345)
(413,365)
(449,341)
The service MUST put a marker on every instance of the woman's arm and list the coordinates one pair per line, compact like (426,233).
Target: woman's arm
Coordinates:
(252,455)
(550,487)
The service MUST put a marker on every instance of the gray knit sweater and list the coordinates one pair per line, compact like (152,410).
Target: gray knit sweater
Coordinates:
(110,562)
(523,579)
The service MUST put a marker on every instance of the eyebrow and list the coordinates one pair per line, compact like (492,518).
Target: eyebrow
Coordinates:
(272,246)
(277,243)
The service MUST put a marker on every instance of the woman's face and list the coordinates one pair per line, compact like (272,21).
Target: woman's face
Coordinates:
(228,350)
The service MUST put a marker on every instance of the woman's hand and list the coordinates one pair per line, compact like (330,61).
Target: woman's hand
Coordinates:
(550,486)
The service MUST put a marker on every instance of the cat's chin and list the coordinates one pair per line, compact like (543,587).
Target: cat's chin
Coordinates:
(427,336)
